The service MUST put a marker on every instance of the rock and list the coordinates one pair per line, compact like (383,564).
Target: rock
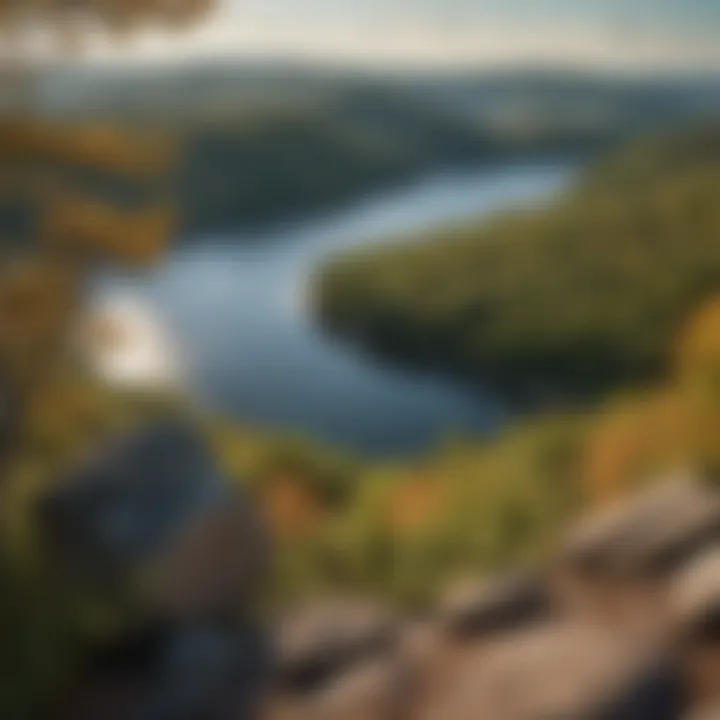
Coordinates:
(374,690)
(154,504)
(173,673)
(649,536)
(211,566)
(695,603)
(322,640)
(706,713)
(696,595)
(564,671)
(126,502)
(482,607)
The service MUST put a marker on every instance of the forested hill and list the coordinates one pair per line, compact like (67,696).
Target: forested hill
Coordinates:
(579,296)
(283,162)
(267,144)
(285,159)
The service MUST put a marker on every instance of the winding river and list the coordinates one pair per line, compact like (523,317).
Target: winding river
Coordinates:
(235,306)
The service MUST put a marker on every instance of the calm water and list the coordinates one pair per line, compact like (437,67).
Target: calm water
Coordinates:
(235,307)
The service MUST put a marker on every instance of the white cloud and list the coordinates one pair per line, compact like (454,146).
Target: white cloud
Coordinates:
(412,42)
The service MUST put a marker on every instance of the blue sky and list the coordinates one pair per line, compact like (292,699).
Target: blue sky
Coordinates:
(615,33)
(673,15)
(689,12)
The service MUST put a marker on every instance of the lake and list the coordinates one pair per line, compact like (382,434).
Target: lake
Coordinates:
(235,305)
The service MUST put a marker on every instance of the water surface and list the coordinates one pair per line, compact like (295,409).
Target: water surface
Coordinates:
(235,305)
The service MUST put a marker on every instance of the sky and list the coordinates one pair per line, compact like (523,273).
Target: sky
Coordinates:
(614,34)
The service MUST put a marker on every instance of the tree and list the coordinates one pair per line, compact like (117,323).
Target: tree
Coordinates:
(58,222)
(54,230)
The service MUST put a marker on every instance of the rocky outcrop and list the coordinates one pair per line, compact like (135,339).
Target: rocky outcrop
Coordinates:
(649,536)
(622,624)
(339,659)
(164,672)
(375,689)
(696,596)
(152,513)
(481,607)
(706,713)
(321,640)
(565,670)
(695,600)
(151,524)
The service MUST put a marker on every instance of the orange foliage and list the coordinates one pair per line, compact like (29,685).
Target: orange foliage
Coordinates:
(99,147)
(673,425)
(633,441)
(699,346)
(698,375)
(95,229)
(37,302)
(414,503)
(291,508)
(117,15)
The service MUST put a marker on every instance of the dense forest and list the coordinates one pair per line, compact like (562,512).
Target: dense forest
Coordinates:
(577,297)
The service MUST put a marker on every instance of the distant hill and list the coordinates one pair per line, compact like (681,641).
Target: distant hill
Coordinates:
(262,144)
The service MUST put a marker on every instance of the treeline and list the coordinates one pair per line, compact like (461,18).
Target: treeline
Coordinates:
(575,298)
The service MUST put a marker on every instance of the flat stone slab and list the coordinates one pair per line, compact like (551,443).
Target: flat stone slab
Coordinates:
(562,672)
(474,608)
(650,535)
(325,638)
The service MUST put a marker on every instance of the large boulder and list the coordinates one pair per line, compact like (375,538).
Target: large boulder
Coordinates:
(377,689)
(711,712)
(562,672)
(696,595)
(151,520)
(213,564)
(695,603)
(186,672)
(323,639)
(480,607)
(151,514)
(648,536)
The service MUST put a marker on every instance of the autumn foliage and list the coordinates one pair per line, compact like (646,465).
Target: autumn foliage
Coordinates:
(645,433)
(71,197)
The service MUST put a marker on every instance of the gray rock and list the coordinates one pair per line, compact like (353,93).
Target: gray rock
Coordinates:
(558,672)
(695,596)
(704,713)
(649,536)
(125,503)
(187,672)
(695,604)
(373,690)
(481,607)
(154,506)
(323,639)
(213,564)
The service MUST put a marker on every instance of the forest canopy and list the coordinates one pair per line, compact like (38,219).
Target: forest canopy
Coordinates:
(580,296)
